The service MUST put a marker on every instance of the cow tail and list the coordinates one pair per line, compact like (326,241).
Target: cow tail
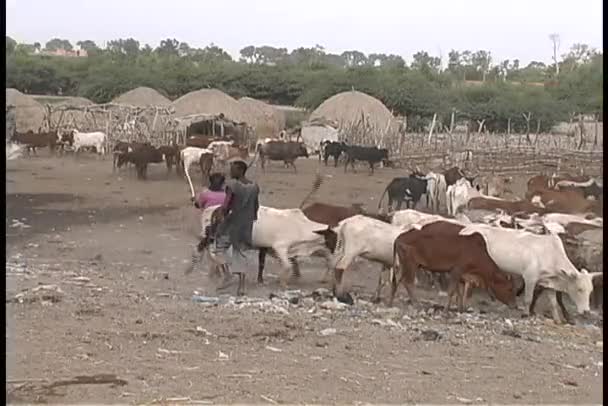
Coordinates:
(316,185)
(258,147)
(382,197)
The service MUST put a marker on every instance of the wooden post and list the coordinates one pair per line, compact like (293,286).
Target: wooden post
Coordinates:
(432,127)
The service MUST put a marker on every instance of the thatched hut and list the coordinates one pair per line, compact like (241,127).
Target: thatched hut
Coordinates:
(142,97)
(266,120)
(362,119)
(211,102)
(29,114)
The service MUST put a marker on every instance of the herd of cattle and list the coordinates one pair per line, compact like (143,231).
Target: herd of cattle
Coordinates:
(203,150)
(506,247)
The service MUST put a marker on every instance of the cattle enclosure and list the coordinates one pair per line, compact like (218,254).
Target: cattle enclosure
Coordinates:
(95,270)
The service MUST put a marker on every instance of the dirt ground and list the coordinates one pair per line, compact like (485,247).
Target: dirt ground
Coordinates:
(96,289)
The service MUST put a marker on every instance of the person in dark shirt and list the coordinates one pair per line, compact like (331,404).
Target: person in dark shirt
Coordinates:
(240,210)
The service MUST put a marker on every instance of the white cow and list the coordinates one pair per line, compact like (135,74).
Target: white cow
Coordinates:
(408,219)
(436,189)
(221,150)
(565,219)
(287,232)
(362,236)
(188,157)
(95,139)
(459,194)
(539,259)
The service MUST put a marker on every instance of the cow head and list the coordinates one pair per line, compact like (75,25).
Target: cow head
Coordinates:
(579,286)
(302,150)
(331,238)
(504,289)
(68,138)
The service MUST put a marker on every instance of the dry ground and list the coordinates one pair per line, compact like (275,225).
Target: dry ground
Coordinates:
(116,248)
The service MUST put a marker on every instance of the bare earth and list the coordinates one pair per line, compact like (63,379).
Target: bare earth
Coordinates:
(124,320)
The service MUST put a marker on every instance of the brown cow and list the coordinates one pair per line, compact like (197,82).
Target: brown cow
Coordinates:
(437,247)
(330,214)
(508,206)
(455,173)
(36,140)
(566,201)
(543,182)
(170,155)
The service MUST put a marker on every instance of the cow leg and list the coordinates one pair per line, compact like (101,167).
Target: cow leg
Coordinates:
(559,296)
(554,310)
(261,262)
(529,289)
(295,268)
(283,257)
(371,168)
(381,282)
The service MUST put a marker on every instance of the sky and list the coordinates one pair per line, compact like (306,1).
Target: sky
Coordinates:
(515,29)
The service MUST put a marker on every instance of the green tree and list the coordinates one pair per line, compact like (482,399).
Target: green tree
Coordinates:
(57,43)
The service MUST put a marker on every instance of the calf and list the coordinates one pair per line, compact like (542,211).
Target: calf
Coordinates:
(540,259)
(286,151)
(287,233)
(438,247)
(77,140)
(221,150)
(409,189)
(333,149)
(371,155)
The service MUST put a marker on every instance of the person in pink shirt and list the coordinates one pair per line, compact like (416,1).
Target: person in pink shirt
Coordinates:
(214,195)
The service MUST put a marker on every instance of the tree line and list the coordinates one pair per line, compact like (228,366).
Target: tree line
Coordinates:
(499,95)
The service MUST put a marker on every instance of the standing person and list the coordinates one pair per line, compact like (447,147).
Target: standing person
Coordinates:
(240,210)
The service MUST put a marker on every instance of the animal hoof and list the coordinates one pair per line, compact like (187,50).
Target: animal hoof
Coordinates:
(346,298)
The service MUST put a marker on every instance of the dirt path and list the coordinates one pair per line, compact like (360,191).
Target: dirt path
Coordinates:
(96,262)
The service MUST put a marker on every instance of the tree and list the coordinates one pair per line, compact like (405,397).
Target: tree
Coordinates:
(57,43)
(87,45)
(184,49)
(127,47)
(168,47)
(481,61)
(11,44)
(426,63)
(354,58)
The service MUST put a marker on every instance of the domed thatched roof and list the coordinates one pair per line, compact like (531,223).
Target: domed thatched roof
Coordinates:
(29,113)
(210,101)
(266,120)
(62,100)
(142,97)
(347,108)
